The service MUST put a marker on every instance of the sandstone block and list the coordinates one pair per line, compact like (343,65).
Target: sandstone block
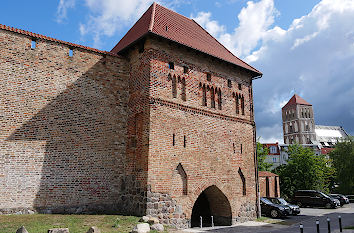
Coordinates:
(144,219)
(94,230)
(153,220)
(21,230)
(141,228)
(59,230)
(157,227)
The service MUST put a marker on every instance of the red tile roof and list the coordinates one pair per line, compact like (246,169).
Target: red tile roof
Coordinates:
(266,173)
(325,151)
(296,100)
(39,36)
(168,24)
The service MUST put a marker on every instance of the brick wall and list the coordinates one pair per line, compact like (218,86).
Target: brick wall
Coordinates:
(273,189)
(63,128)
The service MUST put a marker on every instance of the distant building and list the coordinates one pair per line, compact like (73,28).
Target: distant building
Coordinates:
(299,127)
(268,184)
(328,136)
(278,153)
(273,156)
(298,122)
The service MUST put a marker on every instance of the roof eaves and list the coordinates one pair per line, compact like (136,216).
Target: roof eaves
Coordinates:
(133,43)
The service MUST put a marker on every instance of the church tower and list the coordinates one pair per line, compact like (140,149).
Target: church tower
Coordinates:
(298,121)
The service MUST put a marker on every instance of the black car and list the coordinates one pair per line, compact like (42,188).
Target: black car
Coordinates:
(350,198)
(268,208)
(314,198)
(342,199)
(294,209)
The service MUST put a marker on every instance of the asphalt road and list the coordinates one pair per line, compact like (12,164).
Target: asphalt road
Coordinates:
(307,217)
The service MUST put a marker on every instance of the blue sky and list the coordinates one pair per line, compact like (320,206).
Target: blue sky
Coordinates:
(302,46)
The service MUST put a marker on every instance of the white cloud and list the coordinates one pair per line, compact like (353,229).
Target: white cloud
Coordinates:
(108,16)
(270,134)
(212,26)
(254,22)
(63,6)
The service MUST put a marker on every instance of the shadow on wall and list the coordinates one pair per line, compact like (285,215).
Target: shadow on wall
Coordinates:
(84,127)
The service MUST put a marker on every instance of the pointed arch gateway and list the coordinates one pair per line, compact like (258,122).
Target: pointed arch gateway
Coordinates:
(212,202)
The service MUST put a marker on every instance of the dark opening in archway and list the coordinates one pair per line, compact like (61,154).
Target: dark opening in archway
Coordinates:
(211,202)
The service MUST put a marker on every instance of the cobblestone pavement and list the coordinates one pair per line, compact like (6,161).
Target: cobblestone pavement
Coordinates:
(291,224)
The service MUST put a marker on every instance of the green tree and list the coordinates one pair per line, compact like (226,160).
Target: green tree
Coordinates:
(262,152)
(343,160)
(304,170)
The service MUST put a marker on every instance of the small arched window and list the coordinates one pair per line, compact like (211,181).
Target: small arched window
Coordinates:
(204,98)
(237,104)
(212,97)
(183,94)
(219,99)
(243,105)
(174,86)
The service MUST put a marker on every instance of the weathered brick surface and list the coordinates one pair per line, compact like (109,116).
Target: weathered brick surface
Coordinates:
(100,133)
(63,128)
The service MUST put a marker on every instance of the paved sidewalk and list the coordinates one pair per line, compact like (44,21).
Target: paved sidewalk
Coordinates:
(291,224)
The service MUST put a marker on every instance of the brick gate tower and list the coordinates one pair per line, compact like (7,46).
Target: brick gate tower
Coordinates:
(162,125)
(196,124)
(298,121)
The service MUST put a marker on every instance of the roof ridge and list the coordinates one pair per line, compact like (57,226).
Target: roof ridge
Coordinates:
(40,36)
(175,12)
(152,17)
(225,47)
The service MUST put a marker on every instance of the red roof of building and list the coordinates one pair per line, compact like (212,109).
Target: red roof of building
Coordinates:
(39,36)
(295,100)
(266,173)
(168,24)
(325,151)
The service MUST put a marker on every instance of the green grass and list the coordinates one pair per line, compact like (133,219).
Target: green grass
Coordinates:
(350,227)
(262,219)
(40,223)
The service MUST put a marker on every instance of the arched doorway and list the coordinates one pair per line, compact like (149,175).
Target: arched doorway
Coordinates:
(211,202)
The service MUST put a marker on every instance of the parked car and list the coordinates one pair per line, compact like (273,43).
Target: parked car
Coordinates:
(268,208)
(351,198)
(342,199)
(294,209)
(314,198)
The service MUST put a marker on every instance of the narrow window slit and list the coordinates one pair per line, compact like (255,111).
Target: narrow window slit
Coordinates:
(208,77)
(229,83)
(71,52)
(33,44)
